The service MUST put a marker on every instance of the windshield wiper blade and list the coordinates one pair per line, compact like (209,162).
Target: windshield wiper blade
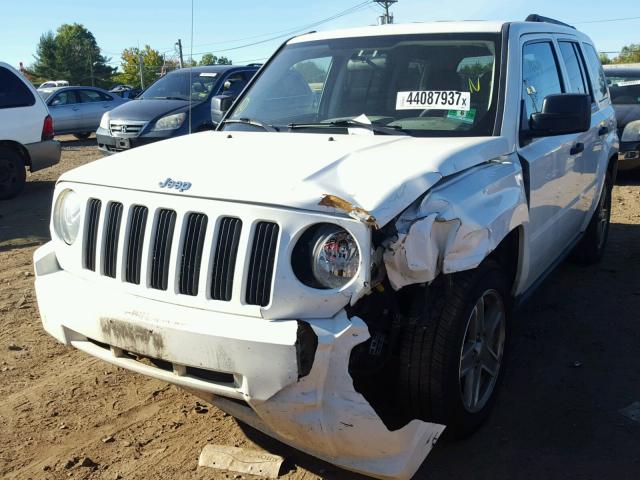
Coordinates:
(386,129)
(254,123)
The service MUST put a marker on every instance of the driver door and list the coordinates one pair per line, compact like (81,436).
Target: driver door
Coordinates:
(553,162)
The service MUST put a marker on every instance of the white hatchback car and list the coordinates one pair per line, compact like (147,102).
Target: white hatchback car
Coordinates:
(26,132)
(337,265)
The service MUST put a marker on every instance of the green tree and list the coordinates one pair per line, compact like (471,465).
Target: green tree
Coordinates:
(604,58)
(72,54)
(211,59)
(153,66)
(629,54)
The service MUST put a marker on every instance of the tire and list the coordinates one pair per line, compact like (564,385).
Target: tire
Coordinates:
(82,136)
(433,384)
(592,246)
(12,173)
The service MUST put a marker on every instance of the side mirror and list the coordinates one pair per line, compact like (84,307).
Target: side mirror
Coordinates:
(55,103)
(561,114)
(220,104)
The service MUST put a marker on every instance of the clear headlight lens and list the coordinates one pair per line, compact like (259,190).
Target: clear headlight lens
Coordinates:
(335,257)
(104,121)
(631,132)
(170,122)
(66,216)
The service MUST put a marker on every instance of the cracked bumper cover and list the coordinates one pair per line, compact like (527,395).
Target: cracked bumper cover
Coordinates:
(319,413)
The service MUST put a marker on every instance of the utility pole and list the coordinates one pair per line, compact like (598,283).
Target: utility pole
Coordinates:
(179,45)
(140,63)
(387,17)
(93,83)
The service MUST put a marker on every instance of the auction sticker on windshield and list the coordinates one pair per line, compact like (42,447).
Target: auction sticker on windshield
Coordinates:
(434,100)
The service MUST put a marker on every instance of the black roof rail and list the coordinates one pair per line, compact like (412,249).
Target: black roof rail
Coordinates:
(534,17)
(253,65)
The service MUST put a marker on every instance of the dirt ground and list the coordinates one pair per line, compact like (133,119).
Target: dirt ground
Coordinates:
(575,362)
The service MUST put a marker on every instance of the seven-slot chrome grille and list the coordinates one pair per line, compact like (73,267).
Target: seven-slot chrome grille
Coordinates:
(162,230)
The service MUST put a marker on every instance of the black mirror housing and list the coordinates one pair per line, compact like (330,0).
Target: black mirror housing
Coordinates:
(220,104)
(561,114)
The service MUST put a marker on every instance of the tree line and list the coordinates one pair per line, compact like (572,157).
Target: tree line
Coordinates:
(72,53)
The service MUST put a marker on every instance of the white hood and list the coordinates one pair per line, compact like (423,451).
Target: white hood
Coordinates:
(382,174)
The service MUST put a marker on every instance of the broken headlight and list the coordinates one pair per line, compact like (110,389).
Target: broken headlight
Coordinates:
(326,256)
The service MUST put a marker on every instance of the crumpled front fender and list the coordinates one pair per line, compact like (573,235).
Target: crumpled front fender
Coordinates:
(323,415)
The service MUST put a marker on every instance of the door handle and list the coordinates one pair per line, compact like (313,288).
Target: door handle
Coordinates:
(75,109)
(577,148)
(603,131)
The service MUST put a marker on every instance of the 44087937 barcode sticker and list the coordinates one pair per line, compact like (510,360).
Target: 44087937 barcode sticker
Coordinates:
(434,100)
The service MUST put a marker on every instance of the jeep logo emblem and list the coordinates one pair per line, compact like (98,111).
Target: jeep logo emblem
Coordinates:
(180,186)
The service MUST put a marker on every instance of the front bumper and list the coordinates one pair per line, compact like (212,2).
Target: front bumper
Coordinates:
(110,145)
(250,359)
(629,156)
(43,154)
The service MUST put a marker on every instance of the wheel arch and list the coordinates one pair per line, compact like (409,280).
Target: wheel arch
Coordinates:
(20,149)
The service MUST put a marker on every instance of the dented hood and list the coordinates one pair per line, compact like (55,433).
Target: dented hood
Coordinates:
(381,174)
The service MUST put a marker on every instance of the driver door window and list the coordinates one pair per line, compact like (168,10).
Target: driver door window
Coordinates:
(540,76)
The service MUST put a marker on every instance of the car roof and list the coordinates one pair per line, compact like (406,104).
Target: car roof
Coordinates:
(466,26)
(623,69)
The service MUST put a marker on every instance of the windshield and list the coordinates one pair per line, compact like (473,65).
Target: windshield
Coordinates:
(423,85)
(178,86)
(624,89)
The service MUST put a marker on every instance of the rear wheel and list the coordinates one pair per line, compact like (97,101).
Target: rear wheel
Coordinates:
(453,355)
(12,173)
(82,136)
(592,246)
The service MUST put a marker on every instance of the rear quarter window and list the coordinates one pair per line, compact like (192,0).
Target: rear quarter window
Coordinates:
(13,92)
(600,90)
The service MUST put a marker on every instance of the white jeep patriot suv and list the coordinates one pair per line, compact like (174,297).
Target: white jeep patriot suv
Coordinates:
(338,264)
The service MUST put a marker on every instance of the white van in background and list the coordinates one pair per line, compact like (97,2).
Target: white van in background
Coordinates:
(26,132)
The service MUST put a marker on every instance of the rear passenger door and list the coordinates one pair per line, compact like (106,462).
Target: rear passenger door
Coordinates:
(577,81)
(553,164)
(602,124)
(65,110)
(94,104)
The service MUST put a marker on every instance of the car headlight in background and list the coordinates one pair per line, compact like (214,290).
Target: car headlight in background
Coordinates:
(66,216)
(104,121)
(170,122)
(326,257)
(631,132)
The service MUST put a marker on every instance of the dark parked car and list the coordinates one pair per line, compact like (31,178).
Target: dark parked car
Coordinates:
(624,85)
(162,111)
(78,110)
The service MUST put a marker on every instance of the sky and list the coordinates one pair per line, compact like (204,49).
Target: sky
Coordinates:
(220,27)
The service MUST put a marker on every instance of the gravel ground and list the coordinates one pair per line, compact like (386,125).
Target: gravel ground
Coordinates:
(575,362)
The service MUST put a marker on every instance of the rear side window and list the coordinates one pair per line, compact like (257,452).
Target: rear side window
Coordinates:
(87,96)
(14,93)
(68,97)
(600,90)
(575,68)
(540,76)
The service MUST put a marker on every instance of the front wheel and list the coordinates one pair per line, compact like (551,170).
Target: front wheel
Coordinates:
(82,136)
(453,355)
